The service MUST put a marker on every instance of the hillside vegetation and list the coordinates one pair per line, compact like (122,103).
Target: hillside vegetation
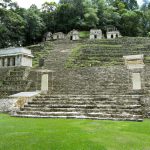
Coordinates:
(108,52)
(21,26)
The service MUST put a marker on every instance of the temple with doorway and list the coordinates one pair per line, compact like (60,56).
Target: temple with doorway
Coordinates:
(11,57)
(112,32)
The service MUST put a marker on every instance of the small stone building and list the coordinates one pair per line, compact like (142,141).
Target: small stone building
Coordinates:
(96,34)
(47,36)
(112,32)
(73,35)
(19,56)
(58,36)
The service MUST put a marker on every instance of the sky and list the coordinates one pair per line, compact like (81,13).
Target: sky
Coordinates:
(28,3)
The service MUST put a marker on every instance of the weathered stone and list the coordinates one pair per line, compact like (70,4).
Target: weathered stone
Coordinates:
(73,35)
(136,80)
(112,33)
(134,61)
(47,36)
(15,57)
(41,62)
(58,36)
(96,34)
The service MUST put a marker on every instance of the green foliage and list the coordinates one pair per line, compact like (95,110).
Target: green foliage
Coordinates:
(72,134)
(107,52)
(11,28)
(84,34)
(34,25)
(19,26)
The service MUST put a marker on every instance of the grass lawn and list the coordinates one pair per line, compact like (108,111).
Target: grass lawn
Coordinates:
(63,134)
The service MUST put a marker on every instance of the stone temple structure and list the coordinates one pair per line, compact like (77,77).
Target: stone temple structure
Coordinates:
(73,35)
(58,36)
(117,89)
(136,65)
(112,32)
(96,34)
(15,57)
(47,36)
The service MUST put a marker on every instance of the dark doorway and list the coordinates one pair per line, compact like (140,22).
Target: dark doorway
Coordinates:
(13,61)
(95,36)
(8,61)
(70,37)
(41,62)
(3,62)
(116,35)
(112,36)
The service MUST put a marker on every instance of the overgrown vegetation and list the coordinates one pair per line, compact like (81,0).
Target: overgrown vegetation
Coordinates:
(62,134)
(106,52)
(40,52)
(20,26)
(84,34)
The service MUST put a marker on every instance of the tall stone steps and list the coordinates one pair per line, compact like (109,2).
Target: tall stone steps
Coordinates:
(75,106)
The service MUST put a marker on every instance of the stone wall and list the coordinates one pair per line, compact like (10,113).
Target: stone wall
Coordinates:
(91,80)
(4,72)
(146,106)
(7,105)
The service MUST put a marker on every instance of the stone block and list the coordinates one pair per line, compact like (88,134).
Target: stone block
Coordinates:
(136,81)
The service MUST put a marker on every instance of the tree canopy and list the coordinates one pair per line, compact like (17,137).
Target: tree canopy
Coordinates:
(20,26)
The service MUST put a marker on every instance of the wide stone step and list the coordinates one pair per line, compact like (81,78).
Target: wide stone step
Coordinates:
(87,96)
(85,106)
(108,110)
(135,118)
(85,99)
(124,116)
(83,91)
(80,101)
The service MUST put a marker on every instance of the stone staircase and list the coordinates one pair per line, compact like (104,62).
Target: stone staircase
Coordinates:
(91,81)
(110,107)
(89,92)
(15,81)
(57,57)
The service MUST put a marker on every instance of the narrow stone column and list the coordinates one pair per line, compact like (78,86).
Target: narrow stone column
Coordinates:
(45,80)
(16,60)
(5,62)
(44,83)
(136,81)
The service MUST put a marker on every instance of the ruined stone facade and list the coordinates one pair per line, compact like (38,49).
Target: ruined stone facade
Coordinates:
(15,57)
(73,35)
(112,33)
(47,36)
(58,36)
(96,34)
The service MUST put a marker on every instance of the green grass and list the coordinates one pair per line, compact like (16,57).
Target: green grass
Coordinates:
(63,134)
(84,34)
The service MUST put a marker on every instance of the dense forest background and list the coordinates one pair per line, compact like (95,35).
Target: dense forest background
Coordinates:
(20,26)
